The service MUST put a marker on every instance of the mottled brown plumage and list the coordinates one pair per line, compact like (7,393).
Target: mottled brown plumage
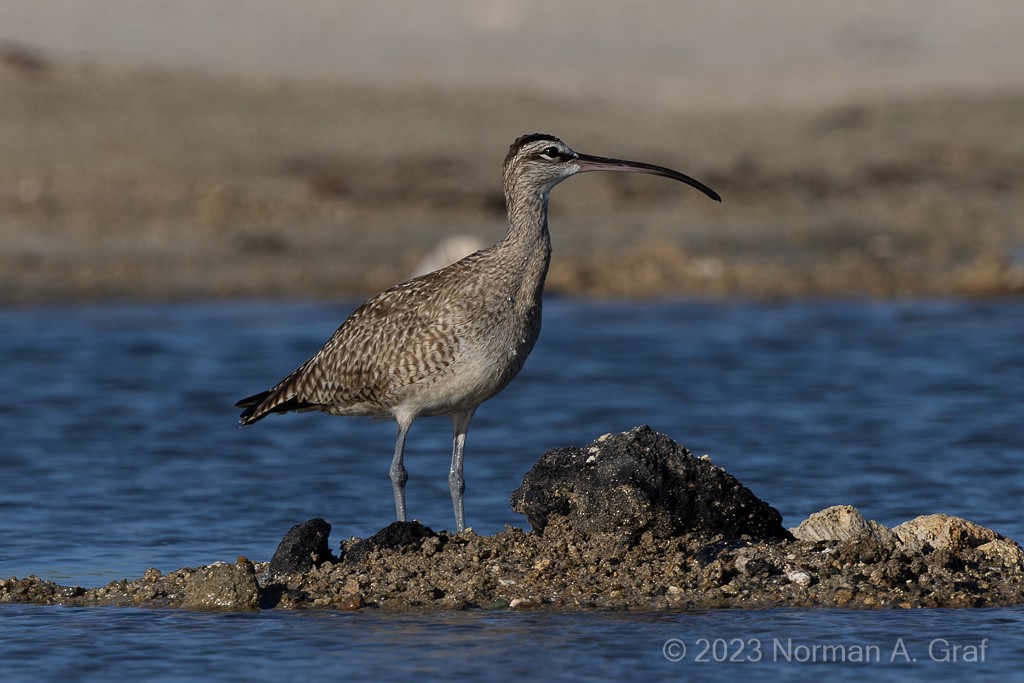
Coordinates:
(445,342)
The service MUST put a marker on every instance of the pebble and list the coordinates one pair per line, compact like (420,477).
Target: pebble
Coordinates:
(799,578)
(352,602)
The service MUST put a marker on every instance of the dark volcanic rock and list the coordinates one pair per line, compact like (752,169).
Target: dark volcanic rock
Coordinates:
(637,481)
(302,548)
(394,536)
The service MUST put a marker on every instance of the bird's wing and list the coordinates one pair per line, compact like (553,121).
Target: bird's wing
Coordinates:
(402,336)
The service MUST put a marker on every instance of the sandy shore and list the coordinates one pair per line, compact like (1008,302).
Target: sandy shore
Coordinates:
(157,184)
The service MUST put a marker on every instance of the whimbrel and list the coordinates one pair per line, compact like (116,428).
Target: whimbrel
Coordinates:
(445,342)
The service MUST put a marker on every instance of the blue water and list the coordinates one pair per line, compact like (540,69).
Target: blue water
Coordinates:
(119,450)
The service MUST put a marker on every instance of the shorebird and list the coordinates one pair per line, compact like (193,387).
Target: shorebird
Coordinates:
(445,342)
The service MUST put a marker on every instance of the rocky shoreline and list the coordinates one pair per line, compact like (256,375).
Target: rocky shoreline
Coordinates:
(632,521)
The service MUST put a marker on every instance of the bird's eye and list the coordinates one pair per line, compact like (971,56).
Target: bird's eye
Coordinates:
(551,153)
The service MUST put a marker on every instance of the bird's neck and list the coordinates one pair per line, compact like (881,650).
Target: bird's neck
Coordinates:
(527,245)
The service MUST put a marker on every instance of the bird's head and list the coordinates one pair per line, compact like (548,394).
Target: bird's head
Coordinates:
(541,161)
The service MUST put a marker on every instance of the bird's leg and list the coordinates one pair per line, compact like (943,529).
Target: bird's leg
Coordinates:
(460,425)
(398,474)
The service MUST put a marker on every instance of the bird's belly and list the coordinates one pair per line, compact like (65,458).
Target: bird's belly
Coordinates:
(468,381)
(375,410)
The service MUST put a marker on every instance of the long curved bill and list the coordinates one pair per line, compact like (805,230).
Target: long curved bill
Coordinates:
(592,163)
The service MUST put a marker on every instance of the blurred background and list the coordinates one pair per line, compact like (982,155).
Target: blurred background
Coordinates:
(211,148)
(303,155)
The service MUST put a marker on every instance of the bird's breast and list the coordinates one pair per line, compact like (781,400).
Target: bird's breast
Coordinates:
(489,351)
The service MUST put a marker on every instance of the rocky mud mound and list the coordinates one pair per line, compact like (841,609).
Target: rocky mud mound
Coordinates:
(633,521)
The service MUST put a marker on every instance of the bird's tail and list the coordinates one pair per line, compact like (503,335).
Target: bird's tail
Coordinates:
(251,405)
(262,404)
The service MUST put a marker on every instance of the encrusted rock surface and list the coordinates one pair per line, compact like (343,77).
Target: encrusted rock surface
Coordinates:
(224,587)
(841,523)
(656,545)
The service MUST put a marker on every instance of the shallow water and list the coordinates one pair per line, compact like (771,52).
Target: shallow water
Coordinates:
(119,450)
(54,643)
